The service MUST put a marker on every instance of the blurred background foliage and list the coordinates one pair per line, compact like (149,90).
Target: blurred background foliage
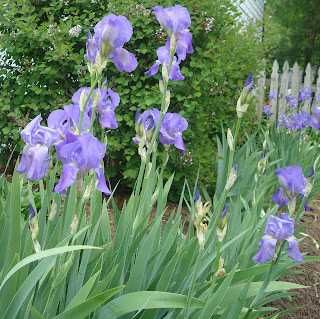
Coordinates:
(48,65)
(292,31)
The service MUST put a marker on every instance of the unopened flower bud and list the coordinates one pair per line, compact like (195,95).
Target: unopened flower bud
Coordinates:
(165,73)
(231,179)
(230,140)
(53,211)
(74,224)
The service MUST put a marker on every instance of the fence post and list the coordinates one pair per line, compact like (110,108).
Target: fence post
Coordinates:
(316,98)
(284,84)
(274,85)
(308,79)
(260,92)
(295,80)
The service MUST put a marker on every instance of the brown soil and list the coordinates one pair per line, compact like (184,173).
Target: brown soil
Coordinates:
(305,303)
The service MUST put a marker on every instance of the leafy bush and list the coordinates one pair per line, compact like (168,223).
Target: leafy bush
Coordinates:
(38,35)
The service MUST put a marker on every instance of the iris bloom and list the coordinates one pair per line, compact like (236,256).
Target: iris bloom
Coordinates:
(305,94)
(108,101)
(81,153)
(292,101)
(172,127)
(280,198)
(267,110)
(110,35)
(278,228)
(35,157)
(292,179)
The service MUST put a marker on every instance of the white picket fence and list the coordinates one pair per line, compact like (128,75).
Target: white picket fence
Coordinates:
(289,81)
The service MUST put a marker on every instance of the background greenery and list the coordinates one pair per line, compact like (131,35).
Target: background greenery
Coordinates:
(292,31)
(51,67)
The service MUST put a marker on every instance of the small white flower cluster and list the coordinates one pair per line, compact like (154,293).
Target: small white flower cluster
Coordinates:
(208,24)
(75,31)
(160,34)
(8,66)
(141,9)
(187,158)
(51,29)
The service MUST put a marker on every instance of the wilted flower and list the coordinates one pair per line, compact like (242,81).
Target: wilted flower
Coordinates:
(110,35)
(280,198)
(278,228)
(81,153)
(201,220)
(292,179)
(35,158)
(172,127)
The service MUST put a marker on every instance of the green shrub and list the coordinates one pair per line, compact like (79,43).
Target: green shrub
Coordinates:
(51,64)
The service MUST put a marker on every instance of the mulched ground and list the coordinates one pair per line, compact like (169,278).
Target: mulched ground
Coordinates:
(305,304)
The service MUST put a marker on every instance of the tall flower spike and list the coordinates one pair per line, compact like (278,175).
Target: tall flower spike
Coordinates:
(176,21)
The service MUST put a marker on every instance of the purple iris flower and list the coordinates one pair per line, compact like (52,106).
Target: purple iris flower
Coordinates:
(110,35)
(68,119)
(292,179)
(163,54)
(296,121)
(107,103)
(35,157)
(315,117)
(267,110)
(176,20)
(248,84)
(81,153)
(292,101)
(171,130)
(278,228)
(280,198)
(305,94)
(183,44)
(146,122)
(272,95)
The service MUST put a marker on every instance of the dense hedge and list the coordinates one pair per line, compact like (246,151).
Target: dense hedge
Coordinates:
(47,55)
